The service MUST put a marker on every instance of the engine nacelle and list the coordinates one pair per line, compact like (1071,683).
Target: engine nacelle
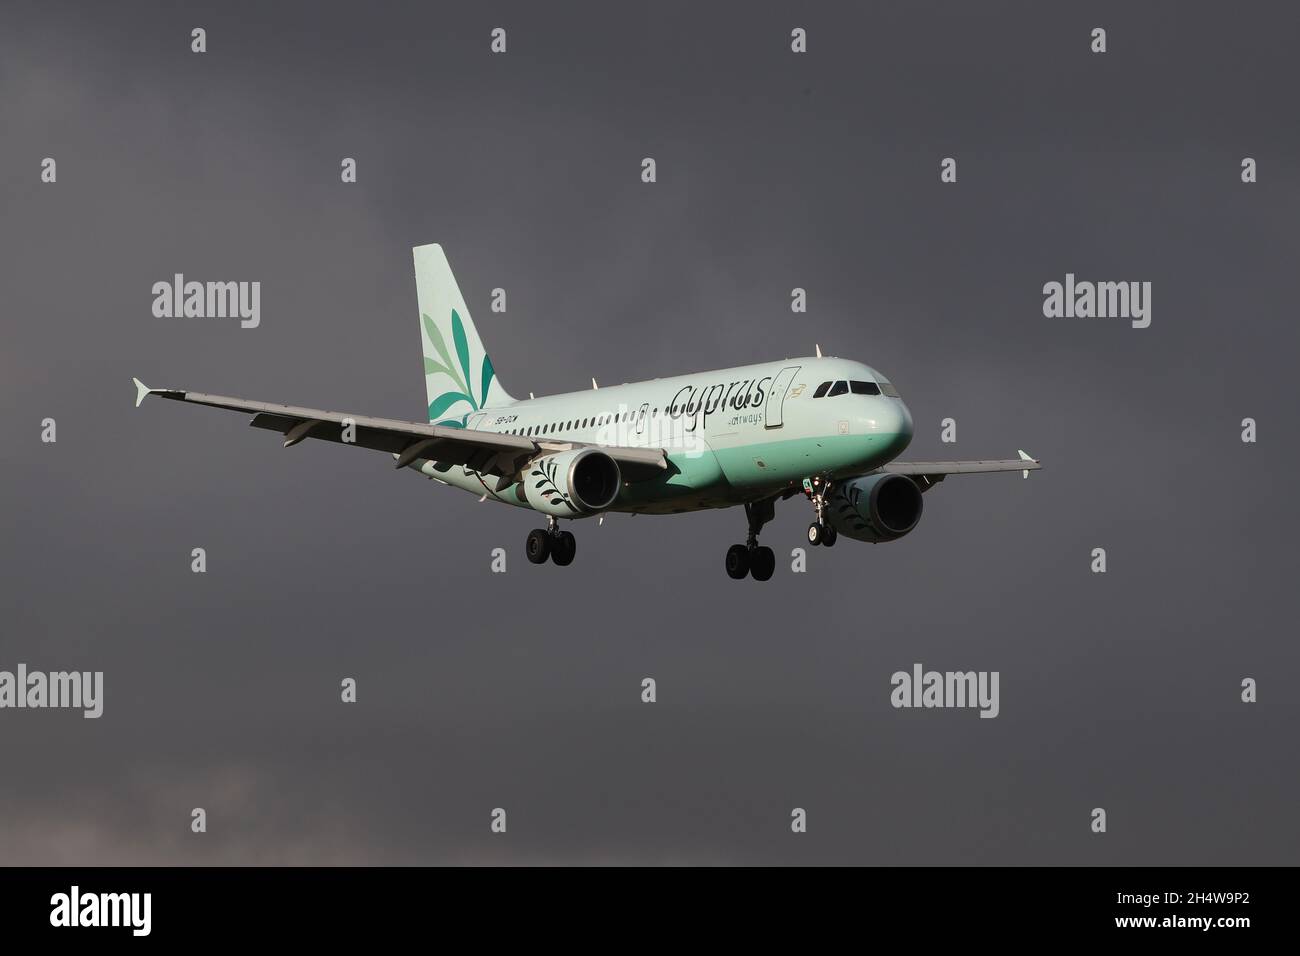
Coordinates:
(875,507)
(572,483)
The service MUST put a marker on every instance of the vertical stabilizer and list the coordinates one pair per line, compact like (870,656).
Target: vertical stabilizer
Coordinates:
(458,375)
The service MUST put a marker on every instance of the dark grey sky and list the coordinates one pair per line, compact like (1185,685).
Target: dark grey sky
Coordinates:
(522,690)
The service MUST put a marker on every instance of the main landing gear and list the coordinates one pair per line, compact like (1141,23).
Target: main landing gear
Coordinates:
(551,542)
(749,558)
(820,531)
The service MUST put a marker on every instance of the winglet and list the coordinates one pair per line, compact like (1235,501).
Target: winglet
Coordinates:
(141,390)
(1024,457)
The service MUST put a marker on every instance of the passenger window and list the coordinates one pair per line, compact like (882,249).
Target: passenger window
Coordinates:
(864,388)
(821,390)
(839,388)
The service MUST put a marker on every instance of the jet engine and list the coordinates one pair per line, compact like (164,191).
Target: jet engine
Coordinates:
(880,507)
(571,483)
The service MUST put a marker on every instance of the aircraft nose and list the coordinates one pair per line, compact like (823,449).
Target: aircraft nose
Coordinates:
(893,422)
(904,423)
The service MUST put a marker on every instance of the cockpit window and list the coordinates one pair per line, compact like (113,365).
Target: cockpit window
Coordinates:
(839,388)
(864,388)
(821,389)
(889,390)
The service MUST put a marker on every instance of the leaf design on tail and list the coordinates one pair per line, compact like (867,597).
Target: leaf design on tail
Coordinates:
(435,337)
(445,401)
(488,372)
(462,346)
(463,392)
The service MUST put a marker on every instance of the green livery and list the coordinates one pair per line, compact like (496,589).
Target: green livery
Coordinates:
(826,429)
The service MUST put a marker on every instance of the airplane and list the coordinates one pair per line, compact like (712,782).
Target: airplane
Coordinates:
(826,428)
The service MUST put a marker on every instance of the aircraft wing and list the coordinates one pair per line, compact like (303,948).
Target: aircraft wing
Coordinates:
(933,472)
(492,453)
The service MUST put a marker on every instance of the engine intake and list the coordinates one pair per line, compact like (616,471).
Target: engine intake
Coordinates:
(874,508)
(577,482)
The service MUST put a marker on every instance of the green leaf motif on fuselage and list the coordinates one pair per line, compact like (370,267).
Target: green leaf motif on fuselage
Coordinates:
(553,494)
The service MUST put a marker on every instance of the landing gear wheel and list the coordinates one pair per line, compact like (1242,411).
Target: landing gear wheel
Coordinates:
(819,532)
(749,558)
(737,561)
(762,562)
(538,545)
(563,547)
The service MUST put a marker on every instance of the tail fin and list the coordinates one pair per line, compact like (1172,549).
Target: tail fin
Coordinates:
(458,375)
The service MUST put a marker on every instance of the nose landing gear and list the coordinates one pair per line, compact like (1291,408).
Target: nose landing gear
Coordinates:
(750,558)
(820,532)
(823,534)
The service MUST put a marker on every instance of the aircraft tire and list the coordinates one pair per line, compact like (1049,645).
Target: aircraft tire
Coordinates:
(538,545)
(737,561)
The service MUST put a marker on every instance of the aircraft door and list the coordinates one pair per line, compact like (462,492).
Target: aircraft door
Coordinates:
(772,412)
